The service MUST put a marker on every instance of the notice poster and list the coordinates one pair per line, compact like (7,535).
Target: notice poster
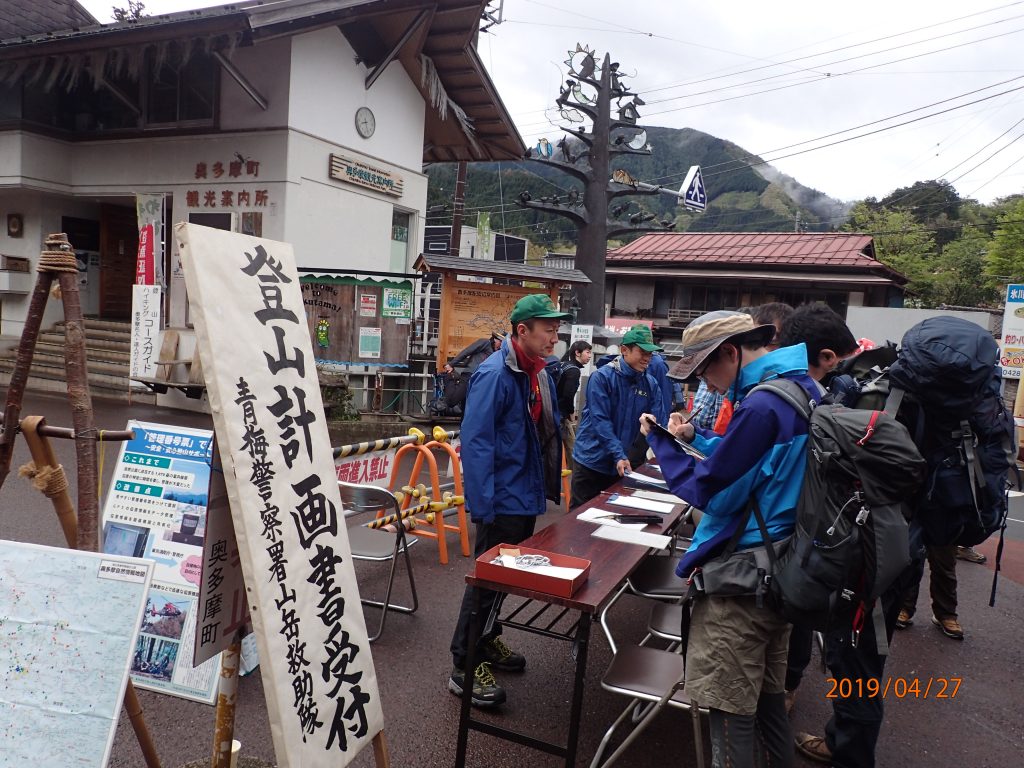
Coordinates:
(156,509)
(475,311)
(369,342)
(397,303)
(70,620)
(315,659)
(367,304)
(581,333)
(1012,352)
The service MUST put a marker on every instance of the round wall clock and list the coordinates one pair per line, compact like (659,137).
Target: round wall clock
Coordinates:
(366,123)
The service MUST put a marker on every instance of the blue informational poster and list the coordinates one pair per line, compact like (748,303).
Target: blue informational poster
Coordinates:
(156,509)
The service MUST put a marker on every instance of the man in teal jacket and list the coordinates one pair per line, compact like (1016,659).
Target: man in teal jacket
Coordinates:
(511,465)
(617,394)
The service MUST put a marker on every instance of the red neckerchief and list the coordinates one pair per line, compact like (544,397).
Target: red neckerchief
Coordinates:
(532,366)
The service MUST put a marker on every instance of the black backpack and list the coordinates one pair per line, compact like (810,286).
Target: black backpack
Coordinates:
(851,538)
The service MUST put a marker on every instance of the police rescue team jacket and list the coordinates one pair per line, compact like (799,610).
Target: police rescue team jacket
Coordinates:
(616,397)
(762,454)
(509,464)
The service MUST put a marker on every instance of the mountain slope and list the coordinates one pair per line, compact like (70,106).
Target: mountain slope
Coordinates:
(744,195)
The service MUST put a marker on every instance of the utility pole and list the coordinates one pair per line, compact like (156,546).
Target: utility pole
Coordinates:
(458,209)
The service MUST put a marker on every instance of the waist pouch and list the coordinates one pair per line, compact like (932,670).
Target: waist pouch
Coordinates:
(746,573)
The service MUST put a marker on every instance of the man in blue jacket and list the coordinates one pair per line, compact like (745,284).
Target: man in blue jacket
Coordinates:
(511,466)
(617,394)
(736,656)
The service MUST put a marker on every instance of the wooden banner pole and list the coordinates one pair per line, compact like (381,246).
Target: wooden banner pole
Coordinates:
(227,697)
(381,756)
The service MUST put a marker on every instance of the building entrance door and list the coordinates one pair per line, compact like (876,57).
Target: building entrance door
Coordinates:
(119,244)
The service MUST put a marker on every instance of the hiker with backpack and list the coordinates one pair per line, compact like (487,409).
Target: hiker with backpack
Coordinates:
(576,358)
(748,488)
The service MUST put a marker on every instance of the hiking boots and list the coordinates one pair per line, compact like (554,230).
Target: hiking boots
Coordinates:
(501,657)
(970,554)
(950,627)
(813,747)
(486,691)
(905,619)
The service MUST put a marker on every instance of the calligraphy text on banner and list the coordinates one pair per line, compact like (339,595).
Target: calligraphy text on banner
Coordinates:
(317,669)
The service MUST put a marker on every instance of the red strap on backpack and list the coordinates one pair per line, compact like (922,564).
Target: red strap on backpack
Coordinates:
(871,428)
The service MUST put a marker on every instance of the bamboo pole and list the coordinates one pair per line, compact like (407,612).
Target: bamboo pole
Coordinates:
(227,697)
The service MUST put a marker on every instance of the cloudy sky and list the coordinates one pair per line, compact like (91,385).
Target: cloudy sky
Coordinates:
(783,78)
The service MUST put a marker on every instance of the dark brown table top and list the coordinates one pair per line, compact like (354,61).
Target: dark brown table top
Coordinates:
(610,561)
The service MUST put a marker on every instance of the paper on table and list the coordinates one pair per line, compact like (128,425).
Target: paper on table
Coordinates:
(555,571)
(669,498)
(629,536)
(636,477)
(640,503)
(593,515)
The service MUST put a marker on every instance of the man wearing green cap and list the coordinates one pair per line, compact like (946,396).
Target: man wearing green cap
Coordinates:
(616,396)
(511,465)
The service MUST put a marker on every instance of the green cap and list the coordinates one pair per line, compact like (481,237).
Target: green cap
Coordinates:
(641,336)
(536,305)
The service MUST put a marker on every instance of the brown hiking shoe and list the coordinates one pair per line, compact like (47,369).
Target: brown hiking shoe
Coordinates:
(970,554)
(813,747)
(950,627)
(905,619)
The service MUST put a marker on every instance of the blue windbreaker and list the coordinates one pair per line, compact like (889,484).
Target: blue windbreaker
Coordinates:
(762,454)
(503,458)
(659,370)
(616,397)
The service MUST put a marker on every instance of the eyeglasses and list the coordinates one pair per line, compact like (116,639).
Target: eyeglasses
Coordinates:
(702,369)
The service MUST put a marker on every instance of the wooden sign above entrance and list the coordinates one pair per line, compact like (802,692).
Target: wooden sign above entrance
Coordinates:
(355,172)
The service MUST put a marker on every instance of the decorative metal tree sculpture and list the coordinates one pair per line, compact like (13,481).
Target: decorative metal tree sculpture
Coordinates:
(588,94)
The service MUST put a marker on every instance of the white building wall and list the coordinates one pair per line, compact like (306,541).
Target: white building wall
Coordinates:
(327,88)
(267,67)
(881,324)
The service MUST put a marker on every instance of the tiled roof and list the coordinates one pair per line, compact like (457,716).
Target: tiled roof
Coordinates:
(34,17)
(793,249)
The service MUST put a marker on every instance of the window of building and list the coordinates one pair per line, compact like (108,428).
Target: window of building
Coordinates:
(400,224)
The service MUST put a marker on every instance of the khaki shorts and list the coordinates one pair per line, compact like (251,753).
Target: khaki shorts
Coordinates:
(736,651)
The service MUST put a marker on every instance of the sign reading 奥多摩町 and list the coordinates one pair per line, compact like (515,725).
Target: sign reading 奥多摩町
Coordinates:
(318,674)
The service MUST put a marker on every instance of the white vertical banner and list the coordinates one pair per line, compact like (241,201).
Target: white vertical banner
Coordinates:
(145,336)
(318,673)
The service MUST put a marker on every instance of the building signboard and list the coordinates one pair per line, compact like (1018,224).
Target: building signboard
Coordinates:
(354,172)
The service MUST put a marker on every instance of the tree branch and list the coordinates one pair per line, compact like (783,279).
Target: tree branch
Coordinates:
(577,215)
(573,170)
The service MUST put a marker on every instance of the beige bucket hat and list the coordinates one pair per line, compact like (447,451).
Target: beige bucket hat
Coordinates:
(712,329)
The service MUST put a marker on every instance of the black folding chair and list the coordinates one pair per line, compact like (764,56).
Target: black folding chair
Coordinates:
(378,545)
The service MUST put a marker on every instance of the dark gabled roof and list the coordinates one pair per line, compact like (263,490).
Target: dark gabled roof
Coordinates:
(435,40)
(33,17)
(841,251)
(432,262)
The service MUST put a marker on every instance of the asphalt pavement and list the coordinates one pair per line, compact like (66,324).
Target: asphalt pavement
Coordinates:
(978,726)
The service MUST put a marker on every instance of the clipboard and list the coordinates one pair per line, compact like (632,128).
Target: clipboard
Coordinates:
(682,445)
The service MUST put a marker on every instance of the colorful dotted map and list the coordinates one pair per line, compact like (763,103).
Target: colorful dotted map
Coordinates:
(68,623)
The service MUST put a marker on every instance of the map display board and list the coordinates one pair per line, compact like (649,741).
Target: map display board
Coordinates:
(68,624)
(156,508)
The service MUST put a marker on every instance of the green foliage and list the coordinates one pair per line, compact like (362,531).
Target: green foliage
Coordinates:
(900,244)
(133,12)
(1006,252)
(960,278)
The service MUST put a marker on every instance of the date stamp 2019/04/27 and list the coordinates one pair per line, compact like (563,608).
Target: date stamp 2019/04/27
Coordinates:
(895,687)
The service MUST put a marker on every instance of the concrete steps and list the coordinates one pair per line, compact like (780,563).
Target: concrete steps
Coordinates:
(107,349)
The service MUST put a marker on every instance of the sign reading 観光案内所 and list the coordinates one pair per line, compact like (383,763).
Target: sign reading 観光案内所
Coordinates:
(354,172)
(318,673)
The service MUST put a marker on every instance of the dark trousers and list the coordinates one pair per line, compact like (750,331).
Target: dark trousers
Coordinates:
(800,641)
(852,732)
(586,484)
(941,583)
(505,529)
(749,741)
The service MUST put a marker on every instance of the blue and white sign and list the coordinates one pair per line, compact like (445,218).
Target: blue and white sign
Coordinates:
(1012,357)
(694,196)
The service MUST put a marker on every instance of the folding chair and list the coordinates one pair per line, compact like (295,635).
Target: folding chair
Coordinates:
(652,678)
(378,545)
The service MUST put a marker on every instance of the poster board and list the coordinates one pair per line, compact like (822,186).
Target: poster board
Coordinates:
(287,512)
(156,508)
(472,311)
(1011,356)
(332,307)
(70,622)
